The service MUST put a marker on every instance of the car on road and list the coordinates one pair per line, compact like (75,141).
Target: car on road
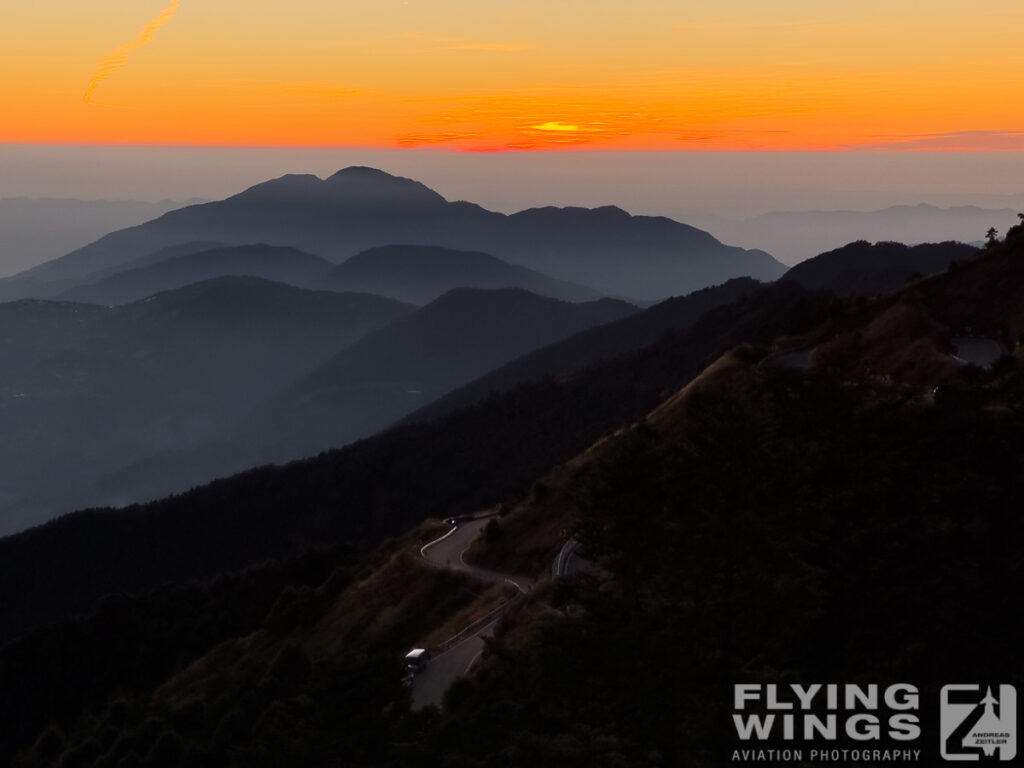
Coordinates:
(416,660)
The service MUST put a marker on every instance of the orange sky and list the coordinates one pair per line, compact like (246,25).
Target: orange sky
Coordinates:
(496,75)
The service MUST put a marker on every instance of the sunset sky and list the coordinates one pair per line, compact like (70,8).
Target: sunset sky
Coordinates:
(497,75)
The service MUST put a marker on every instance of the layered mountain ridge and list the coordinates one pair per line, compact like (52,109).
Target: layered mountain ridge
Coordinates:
(360,208)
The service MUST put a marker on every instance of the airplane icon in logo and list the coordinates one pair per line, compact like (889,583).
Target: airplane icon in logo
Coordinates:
(971,726)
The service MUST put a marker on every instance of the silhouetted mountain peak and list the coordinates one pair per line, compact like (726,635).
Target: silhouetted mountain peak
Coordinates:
(360,183)
(552,213)
(362,173)
(607,216)
(355,186)
(289,185)
(612,211)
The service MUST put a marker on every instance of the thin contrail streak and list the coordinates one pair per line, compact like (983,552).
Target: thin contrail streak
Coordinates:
(113,61)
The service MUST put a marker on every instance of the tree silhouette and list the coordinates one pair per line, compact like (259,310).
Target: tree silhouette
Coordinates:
(1017,230)
(992,236)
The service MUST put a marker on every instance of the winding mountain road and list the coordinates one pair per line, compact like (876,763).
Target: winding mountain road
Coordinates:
(457,656)
(449,551)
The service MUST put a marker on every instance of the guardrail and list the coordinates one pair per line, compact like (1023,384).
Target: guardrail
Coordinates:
(564,555)
(475,627)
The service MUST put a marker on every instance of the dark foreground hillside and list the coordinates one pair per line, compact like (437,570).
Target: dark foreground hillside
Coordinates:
(765,525)
(861,267)
(771,526)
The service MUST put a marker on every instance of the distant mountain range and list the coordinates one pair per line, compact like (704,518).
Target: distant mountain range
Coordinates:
(223,374)
(366,387)
(280,264)
(419,274)
(793,236)
(207,357)
(392,372)
(412,273)
(358,209)
(592,347)
(211,317)
(33,231)
(209,377)
(85,390)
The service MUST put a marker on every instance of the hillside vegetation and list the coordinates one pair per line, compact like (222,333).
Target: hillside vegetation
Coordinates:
(767,524)
(863,268)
